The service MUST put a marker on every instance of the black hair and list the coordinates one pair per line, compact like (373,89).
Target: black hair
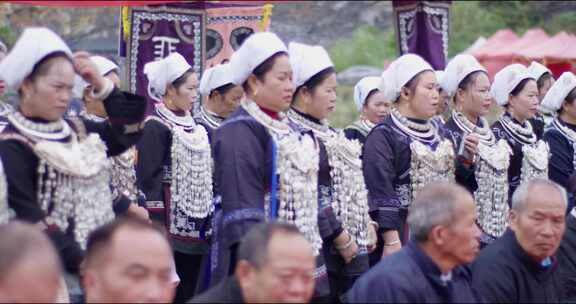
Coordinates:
(253,247)
(412,84)
(569,99)
(100,239)
(469,80)
(182,79)
(520,86)
(41,67)
(372,92)
(314,81)
(542,80)
(222,89)
(264,68)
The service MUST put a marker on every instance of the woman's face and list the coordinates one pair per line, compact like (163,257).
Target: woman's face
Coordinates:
(274,91)
(424,100)
(525,104)
(48,96)
(475,101)
(376,107)
(231,100)
(185,96)
(323,98)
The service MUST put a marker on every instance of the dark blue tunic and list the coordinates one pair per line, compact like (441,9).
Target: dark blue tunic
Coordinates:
(386,167)
(515,169)
(561,162)
(410,276)
(243,155)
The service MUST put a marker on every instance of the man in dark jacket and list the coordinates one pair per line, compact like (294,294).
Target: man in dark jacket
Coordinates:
(567,258)
(428,269)
(521,266)
(275,265)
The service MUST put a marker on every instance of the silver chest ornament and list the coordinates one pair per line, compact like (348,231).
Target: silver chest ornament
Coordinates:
(535,161)
(124,175)
(6,213)
(428,166)
(492,194)
(297,161)
(349,199)
(73,183)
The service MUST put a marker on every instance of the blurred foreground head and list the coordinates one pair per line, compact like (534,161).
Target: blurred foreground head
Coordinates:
(128,261)
(30,270)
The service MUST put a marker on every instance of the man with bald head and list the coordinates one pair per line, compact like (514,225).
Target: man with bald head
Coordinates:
(444,236)
(128,261)
(275,265)
(30,269)
(521,266)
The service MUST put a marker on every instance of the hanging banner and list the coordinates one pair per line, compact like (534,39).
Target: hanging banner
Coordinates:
(152,33)
(422,27)
(228,27)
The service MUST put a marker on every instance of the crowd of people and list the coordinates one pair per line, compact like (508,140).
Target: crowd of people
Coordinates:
(254,197)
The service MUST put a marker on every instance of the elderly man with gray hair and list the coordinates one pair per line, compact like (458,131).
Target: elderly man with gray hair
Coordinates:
(521,266)
(444,236)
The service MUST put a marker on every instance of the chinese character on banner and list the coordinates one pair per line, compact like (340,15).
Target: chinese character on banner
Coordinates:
(228,27)
(422,28)
(153,32)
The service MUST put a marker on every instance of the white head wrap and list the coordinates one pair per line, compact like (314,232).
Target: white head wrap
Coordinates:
(439,75)
(163,72)
(363,88)
(104,66)
(256,49)
(558,92)
(399,72)
(456,70)
(506,80)
(307,61)
(214,78)
(33,45)
(537,70)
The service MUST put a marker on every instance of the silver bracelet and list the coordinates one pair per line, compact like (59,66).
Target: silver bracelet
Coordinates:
(392,243)
(104,91)
(375,224)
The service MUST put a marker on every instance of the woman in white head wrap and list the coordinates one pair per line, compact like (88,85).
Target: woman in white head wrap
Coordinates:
(544,81)
(396,151)
(342,189)
(123,178)
(561,134)
(444,98)
(371,104)
(174,167)
(482,162)
(516,90)
(264,167)
(222,96)
(57,170)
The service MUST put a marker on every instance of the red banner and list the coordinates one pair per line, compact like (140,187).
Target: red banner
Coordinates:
(120,3)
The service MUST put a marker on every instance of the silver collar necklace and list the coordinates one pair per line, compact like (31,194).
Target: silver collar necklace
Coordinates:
(484,133)
(186,121)
(37,130)
(424,132)
(524,135)
(299,119)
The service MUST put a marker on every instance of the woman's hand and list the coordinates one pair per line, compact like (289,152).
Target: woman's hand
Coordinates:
(372,237)
(471,143)
(346,246)
(88,70)
(138,212)
(392,243)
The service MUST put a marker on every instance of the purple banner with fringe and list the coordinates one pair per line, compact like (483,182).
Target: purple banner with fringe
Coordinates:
(422,28)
